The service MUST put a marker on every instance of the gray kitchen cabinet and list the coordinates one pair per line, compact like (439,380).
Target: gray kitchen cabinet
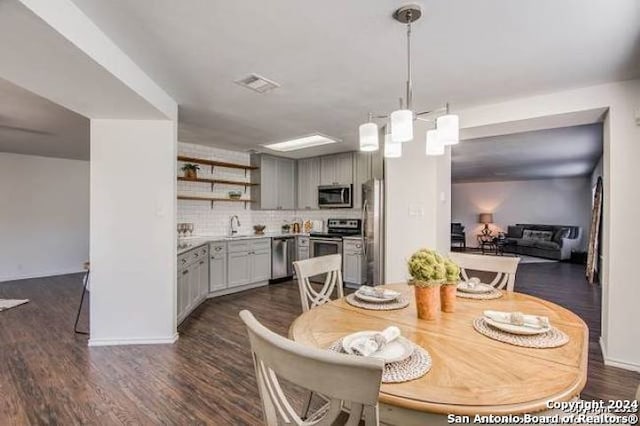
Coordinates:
(193,280)
(286,184)
(183,292)
(275,181)
(336,169)
(249,261)
(217,266)
(238,269)
(353,262)
(308,181)
(302,247)
(261,266)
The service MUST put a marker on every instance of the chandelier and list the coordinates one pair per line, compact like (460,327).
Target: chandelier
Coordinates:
(398,128)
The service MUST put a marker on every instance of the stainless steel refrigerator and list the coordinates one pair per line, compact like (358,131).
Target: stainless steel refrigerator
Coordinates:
(373,230)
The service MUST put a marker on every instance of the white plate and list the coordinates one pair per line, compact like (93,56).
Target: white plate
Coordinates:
(516,329)
(396,351)
(374,299)
(478,289)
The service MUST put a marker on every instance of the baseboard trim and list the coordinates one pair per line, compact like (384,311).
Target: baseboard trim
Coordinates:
(133,341)
(612,362)
(238,289)
(40,274)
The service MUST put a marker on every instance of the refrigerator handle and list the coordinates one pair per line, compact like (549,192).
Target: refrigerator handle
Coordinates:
(364,228)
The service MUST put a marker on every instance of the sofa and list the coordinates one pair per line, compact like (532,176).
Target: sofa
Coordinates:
(547,241)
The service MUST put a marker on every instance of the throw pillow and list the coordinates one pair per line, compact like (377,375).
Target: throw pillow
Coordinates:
(514,231)
(560,234)
(529,234)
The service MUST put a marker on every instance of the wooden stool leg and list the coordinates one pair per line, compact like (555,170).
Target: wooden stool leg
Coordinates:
(84,290)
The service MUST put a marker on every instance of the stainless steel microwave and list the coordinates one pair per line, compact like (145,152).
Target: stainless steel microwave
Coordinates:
(335,196)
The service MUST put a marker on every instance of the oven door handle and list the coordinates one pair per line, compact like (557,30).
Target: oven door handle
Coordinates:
(326,240)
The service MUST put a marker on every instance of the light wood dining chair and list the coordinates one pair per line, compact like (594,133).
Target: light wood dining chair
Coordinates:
(331,265)
(343,380)
(504,267)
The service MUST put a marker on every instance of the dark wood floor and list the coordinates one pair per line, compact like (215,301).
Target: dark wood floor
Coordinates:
(49,376)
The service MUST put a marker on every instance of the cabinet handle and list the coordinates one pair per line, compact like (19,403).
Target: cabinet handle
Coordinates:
(184,261)
(185,272)
(201,262)
(196,254)
(218,248)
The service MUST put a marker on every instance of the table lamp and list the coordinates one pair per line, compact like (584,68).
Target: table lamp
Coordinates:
(486,219)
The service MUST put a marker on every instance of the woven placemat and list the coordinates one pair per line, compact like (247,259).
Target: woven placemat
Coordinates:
(551,339)
(414,367)
(400,302)
(493,294)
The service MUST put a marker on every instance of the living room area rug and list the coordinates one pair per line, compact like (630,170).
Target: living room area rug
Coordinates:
(11,303)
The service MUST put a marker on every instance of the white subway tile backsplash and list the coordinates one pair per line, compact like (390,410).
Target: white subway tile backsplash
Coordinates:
(215,221)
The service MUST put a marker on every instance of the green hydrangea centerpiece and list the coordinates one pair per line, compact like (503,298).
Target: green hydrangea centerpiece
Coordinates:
(427,268)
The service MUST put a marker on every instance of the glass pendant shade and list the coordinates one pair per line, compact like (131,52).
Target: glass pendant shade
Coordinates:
(402,125)
(368,137)
(392,149)
(448,129)
(434,145)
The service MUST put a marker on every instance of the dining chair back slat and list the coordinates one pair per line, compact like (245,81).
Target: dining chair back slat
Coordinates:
(504,267)
(340,379)
(330,265)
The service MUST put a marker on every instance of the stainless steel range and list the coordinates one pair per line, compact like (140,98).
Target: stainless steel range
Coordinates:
(330,242)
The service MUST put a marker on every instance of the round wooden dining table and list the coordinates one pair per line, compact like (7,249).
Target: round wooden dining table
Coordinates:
(471,373)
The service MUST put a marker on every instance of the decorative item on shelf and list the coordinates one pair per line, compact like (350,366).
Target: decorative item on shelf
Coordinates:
(428,272)
(190,170)
(486,219)
(449,287)
(286,228)
(235,194)
(296,228)
(308,226)
(446,129)
(259,229)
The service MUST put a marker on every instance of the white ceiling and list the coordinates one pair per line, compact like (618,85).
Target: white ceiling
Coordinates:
(337,60)
(542,154)
(32,125)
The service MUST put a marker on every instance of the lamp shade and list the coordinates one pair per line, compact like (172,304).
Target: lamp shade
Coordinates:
(368,137)
(448,129)
(392,149)
(434,146)
(485,218)
(402,125)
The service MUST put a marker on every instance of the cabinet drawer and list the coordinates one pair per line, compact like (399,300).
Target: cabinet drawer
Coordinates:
(303,241)
(239,246)
(353,245)
(261,245)
(217,248)
(183,260)
(203,251)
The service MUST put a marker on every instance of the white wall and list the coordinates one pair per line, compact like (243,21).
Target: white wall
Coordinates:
(44,218)
(417,204)
(133,245)
(621,201)
(564,201)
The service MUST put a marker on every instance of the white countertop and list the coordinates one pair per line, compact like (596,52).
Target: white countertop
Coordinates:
(188,243)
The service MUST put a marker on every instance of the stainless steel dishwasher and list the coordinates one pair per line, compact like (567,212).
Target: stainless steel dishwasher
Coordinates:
(282,257)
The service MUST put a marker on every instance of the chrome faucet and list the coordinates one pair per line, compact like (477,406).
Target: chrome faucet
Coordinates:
(234,230)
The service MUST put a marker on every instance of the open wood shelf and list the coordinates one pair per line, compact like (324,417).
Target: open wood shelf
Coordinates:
(213,181)
(213,200)
(215,163)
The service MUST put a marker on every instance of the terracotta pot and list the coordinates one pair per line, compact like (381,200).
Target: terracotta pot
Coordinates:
(448,298)
(428,301)
(191,174)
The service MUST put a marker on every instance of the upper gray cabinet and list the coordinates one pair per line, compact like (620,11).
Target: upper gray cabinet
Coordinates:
(308,181)
(276,179)
(336,169)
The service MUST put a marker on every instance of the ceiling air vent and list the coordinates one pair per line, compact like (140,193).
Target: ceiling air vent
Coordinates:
(257,83)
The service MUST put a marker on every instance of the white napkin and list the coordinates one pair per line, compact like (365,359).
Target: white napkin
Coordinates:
(518,318)
(380,293)
(376,342)
(473,282)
